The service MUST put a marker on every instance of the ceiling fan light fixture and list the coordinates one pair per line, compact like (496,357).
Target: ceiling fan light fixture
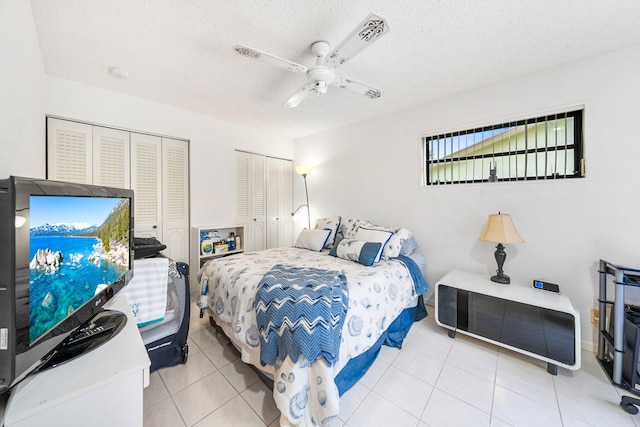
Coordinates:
(322,75)
(320,87)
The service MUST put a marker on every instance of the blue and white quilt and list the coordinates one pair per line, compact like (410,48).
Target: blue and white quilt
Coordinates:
(305,391)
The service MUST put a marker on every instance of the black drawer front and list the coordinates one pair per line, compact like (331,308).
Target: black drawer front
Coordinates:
(538,330)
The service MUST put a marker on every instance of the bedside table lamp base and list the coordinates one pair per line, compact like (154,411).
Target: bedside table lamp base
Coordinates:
(500,255)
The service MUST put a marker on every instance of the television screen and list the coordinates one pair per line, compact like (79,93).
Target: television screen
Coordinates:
(77,246)
(65,251)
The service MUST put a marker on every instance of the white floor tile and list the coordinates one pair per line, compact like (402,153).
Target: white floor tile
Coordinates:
(404,390)
(474,356)
(351,400)
(590,378)
(444,410)
(431,343)
(162,414)
(534,384)
(519,410)
(207,337)
(203,397)
(193,347)
(219,350)
(376,411)
(235,413)
(374,373)
(388,354)
(467,387)
(499,423)
(155,392)
(506,356)
(585,406)
(180,376)
(414,363)
(568,421)
(260,398)
(239,374)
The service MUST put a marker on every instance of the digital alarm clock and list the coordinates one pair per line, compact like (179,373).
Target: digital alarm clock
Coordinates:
(546,286)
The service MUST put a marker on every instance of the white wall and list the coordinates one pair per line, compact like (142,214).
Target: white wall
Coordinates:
(372,170)
(21,99)
(27,95)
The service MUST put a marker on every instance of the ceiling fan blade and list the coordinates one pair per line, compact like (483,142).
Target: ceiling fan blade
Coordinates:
(299,95)
(368,31)
(271,59)
(357,86)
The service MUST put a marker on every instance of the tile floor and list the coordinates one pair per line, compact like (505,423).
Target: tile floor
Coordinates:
(433,381)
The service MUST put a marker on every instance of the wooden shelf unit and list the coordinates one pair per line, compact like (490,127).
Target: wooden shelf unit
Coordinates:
(197,258)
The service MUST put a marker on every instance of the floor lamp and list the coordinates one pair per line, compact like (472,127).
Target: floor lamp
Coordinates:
(304,171)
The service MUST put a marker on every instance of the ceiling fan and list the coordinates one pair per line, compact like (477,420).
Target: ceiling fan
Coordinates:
(320,76)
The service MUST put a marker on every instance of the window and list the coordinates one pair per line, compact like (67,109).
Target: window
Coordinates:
(548,147)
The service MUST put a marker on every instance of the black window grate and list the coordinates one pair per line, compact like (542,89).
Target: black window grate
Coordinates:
(540,148)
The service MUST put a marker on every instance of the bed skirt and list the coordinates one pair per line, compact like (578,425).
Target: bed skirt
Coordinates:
(392,337)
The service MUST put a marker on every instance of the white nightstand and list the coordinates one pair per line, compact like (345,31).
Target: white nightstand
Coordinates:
(534,322)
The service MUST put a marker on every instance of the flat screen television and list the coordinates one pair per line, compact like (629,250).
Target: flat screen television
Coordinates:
(65,250)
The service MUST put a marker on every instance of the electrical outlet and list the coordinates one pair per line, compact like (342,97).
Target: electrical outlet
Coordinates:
(595,316)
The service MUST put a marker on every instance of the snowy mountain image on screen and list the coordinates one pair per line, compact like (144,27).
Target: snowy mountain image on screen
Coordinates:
(61,229)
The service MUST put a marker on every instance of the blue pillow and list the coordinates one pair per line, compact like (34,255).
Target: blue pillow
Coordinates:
(359,251)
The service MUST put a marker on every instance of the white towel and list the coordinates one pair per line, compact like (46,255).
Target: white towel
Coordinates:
(147,290)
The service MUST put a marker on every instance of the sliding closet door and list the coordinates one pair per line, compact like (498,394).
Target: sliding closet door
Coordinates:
(175,198)
(146,179)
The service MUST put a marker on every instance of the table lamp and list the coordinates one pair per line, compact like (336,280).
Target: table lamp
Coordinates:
(500,229)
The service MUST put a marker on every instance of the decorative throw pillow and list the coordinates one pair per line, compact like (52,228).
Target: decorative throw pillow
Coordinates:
(400,242)
(332,224)
(407,246)
(349,227)
(359,251)
(312,239)
(373,235)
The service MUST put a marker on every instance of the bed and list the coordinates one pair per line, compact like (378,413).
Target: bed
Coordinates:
(376,296)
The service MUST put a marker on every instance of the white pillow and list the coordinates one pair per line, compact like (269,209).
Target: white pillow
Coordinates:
(398,242)
(370,235)
(332,224)
(312,239)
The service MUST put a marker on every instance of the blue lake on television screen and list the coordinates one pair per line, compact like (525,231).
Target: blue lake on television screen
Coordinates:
(70,262)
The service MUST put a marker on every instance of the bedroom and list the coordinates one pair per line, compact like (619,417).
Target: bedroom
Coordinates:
(567,226)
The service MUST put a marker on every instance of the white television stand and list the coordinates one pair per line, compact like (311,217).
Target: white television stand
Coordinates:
(102,388)
(538,323)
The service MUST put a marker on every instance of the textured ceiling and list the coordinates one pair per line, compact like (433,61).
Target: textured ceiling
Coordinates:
(179,52)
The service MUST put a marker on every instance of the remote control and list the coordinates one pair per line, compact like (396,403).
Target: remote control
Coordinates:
(88,332)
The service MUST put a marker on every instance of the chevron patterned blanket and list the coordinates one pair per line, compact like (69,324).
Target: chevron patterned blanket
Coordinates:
(300,311)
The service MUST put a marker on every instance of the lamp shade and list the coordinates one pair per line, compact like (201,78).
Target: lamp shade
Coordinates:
(303,170)
(500,229)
